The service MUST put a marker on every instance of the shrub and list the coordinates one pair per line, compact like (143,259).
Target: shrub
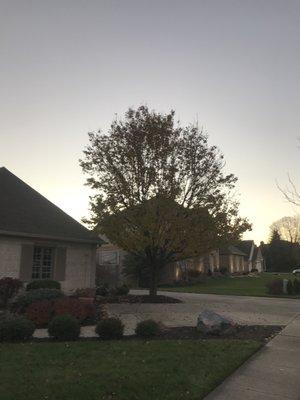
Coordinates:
(224,271)
(86,292)
(64,327)
(193,273)
(102,290)
(9,287)
(217,274)
(23,301)
(15,328)
(40,312)
(89,312)
(275,286)
(254,270)
(43,284)
(122,290)
(74,307)
(290,287)
(148,328)
(296,286)
(110,328)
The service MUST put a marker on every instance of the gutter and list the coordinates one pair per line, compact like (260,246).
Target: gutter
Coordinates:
(49,237)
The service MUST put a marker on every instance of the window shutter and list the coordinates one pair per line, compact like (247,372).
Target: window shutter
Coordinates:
(60,264)
(26,262)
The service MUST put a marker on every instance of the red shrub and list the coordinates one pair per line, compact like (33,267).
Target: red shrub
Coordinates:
(40,312)
(90,310)
(72,306)
(275,286)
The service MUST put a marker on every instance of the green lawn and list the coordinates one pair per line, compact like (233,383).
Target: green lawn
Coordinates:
(241,285)
(118,370)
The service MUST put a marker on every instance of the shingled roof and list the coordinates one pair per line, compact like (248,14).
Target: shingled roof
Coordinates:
(225,250)
(245,246)
(25,212)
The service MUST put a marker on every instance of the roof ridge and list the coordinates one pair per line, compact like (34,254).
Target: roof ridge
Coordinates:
(43,197)
(24,209)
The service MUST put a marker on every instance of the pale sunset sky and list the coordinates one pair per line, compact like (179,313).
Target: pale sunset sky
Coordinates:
(68,67)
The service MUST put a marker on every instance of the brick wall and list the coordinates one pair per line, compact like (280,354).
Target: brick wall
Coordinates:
(10,256)
(80,261)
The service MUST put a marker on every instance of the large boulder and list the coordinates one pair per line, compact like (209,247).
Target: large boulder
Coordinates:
(211,323)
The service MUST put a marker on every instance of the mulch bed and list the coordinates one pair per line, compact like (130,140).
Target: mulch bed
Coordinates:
(131,298)
(261,333)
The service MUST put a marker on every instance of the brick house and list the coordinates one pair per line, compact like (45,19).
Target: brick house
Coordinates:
(40,241)
(239,258)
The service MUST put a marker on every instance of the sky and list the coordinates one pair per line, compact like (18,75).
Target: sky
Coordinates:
(68,67)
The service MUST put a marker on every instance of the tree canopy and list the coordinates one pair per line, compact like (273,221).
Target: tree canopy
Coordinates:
(288,228)
(161,190)
(281,255)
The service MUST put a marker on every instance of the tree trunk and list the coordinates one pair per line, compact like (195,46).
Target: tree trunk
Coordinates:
(153,280)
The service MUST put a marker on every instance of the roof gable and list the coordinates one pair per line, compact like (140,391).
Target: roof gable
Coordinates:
(245,246)
(25,212)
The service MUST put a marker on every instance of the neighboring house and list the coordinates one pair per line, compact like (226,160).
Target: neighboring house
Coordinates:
(232,258)
(39,241)
(110,264)
(254,256)
(242,257)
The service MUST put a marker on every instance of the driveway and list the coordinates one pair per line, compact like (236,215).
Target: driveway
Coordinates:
(243,309)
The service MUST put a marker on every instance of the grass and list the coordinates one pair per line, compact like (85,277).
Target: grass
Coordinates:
(118,370)
(239,286)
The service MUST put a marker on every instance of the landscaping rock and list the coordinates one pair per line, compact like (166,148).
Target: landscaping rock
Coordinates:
(211,323)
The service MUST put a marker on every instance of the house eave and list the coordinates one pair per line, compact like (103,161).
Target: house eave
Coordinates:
(48,237)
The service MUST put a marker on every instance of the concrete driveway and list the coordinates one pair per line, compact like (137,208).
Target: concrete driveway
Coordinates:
(243,309)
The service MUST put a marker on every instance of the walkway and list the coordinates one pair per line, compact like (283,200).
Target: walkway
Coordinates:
(271,374)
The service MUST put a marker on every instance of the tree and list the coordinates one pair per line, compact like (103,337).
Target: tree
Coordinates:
(290,192)
(281,255)
(161,193)
(288,228)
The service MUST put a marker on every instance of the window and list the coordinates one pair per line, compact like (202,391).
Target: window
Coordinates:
(109,258)
(43,258)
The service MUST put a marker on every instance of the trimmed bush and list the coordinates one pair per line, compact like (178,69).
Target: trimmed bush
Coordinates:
(64,327)
(74,307)
(85,292)
(147,329)
(110,328)
(40,312)
(275,287)
(103,290)
(15,328)
(43,284)
(122,290)
(23,301)
(296,286)
(224,271)
(9,287)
